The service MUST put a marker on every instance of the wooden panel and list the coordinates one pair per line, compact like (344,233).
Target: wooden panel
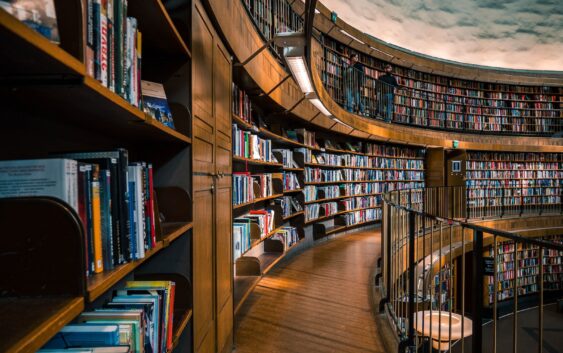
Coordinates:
(208,344)
(224,327)
(202,60)
(222,90)
(455,179)
(223,244)
(203,258)
(434,167)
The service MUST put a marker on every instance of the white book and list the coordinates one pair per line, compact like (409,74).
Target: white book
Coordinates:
(40,177)
(237,242)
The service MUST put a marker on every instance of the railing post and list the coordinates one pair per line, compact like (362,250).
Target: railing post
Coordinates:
(477,297)
(387,259)
(412,265)
(502,202)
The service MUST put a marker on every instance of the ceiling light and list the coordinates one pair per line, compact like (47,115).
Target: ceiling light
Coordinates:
(351,36)
(295,58)
(317,103)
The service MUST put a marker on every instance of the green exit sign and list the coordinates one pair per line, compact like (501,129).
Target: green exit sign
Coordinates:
(455,143)
(333,16)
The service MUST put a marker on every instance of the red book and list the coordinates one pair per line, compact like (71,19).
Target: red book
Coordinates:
(171,316)
(151,207)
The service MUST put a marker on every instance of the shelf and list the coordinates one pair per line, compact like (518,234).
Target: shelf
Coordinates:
(98,284)
(341,197)
(294,215)
(160,36)
(256,201)
(292,191)
(179,328)
(269,259)
(237,159)
(281,139)
(363,168)
(28,323)
(242,123)
(334,229)
(243,286)
(25,52)
(340,213)
(293,169)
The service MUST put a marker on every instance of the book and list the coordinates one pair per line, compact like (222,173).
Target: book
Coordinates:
(131,325)
(155,102)
(40,15)
(56,178)
(97,220)
(85,335)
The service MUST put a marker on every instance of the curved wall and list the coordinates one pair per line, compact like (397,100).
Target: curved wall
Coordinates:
(272,78)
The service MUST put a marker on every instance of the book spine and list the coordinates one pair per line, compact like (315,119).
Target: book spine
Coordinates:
(82,209)
(118,46)
(89,223)
(151,207)
(111,45)
(96,25)
(139,48)
(172,295)
(97,224)
(125,215)
(140,211)
(124,49)
(104,43)
(132,217)
(105,207)
(90,46)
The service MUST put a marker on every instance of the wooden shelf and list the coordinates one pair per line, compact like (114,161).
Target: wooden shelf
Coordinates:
(98,284)
(243,286)
(281,139)
(292,191)
(294,215)
(28,323)
(269,259)
(256,162)
(242,123)
(293,169)
(179,328)
(160,36)
(256,201)
(26,52)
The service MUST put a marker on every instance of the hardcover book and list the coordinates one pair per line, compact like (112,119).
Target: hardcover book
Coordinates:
(155,103)
(39,15)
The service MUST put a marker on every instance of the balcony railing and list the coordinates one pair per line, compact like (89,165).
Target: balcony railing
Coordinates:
(445,280)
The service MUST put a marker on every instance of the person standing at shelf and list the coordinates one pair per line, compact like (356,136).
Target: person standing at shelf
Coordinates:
(354,78)
(388,90)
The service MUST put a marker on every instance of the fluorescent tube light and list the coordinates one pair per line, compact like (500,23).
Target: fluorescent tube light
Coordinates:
(351,36)
(317,103)
(338,121)
(295,59)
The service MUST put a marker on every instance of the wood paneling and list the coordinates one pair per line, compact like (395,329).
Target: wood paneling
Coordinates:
(213,309)
(458,178)
(434,167)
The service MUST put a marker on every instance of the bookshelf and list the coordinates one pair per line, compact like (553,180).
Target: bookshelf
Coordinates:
(61,108)
(513,182)
(526,280)
(445,103)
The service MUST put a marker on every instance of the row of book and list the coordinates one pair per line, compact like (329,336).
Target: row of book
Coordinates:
(514,183)
(139,318)
(248,187)
(290,181)
(242,240)
(498,165)
(526,157)
(512,192)
(361,202)
(242,105)
(515,174)
(317,175)
(288,236)
(264,219)
(289,205)
(362,216)
(313,211)
(113,198)
(114,43)
(287,158)
(251,146)
(311,192)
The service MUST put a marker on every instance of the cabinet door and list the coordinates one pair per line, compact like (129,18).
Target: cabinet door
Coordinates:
(222,86)
(203,142)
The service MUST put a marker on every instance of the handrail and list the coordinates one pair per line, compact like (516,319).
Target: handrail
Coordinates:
(418,268)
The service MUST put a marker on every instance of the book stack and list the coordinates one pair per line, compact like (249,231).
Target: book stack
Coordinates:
(313,211)
(306,137)
(289,205)
(362,216)
(251,146)
(113,198)
(242,106)
(288,236)
(241,237)
(317,175)
(113,54)
(264,219)
(290,182)
(139,318)
(264,182)
(243,188)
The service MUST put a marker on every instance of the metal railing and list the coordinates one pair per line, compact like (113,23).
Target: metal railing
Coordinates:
(434,270)
(360,90)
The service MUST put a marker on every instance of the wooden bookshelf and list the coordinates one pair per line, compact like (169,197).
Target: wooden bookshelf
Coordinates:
(255,201)
(256,162)
(28,323)
(98,284)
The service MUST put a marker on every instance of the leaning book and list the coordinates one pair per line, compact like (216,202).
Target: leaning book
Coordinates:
(37,14)
(155,103)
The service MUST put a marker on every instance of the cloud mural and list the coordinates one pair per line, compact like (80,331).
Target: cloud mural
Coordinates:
(519,34)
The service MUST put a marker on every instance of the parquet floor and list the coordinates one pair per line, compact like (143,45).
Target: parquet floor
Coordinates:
(318,301)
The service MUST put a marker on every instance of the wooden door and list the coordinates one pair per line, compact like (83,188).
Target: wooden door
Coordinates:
(223,245)
(213,323)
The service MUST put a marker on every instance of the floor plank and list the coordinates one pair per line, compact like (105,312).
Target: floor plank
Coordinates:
(318,301)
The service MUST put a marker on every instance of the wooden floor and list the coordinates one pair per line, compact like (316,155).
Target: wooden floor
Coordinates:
(318,301)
